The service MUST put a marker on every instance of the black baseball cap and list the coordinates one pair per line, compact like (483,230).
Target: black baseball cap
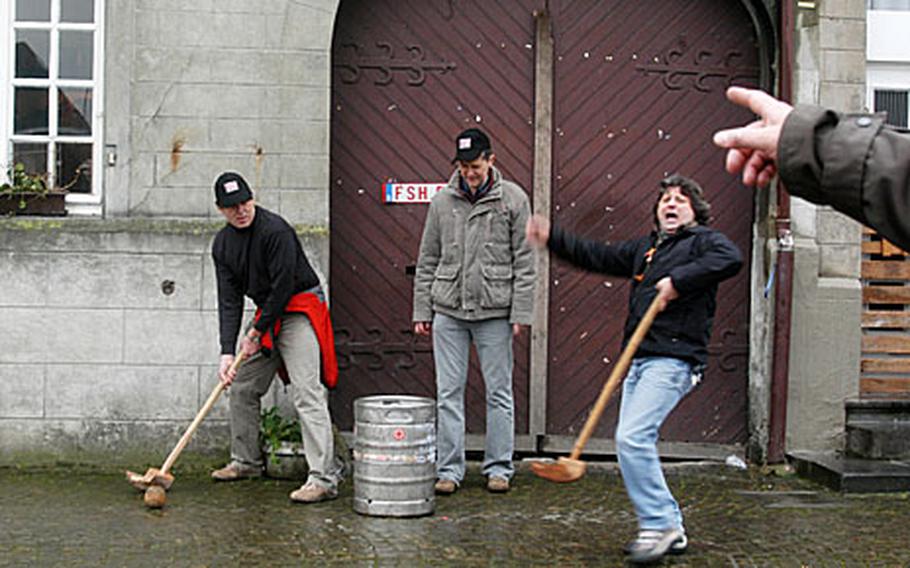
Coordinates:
(231,189)
(470,144)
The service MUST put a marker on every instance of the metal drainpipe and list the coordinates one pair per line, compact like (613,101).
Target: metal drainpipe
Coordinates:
(783,286)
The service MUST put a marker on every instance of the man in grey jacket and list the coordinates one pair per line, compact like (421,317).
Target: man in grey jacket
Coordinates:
(853,162)
(474,283)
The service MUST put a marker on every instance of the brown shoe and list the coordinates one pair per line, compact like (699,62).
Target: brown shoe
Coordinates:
(235,471)
(445,487)
(497,484)
(313,493)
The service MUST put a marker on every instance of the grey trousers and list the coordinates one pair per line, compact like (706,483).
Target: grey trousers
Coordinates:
(452,340)
(299,349)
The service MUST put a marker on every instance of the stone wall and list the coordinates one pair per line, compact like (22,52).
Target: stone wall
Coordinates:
(111,325)
(826,330)
(111,337)
(196,88)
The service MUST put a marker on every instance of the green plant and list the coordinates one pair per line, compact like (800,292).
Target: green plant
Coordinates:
(22,183)
(275,429)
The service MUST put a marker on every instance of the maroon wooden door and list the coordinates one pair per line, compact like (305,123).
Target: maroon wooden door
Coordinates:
(639,89)
(408,76)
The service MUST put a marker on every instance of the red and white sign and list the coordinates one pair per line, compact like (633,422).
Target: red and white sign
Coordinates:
(410,192)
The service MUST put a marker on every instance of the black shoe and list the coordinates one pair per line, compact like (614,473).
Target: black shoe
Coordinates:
(651,545)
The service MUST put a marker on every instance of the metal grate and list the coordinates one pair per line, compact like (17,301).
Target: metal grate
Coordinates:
(893,102)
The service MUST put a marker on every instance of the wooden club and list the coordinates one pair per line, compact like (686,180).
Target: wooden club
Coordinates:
(156,481)
(571,468)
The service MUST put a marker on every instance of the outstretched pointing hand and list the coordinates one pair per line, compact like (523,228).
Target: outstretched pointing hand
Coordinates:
(752,149)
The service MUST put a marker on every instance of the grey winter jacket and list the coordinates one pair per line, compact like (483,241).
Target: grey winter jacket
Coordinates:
(855,163)
(474,261)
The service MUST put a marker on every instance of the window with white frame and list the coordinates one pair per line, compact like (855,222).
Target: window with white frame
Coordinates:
(894,103)
(52,83)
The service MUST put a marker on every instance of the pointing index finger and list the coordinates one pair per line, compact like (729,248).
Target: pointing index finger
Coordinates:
(756,101)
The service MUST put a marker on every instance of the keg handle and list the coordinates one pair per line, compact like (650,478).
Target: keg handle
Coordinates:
(399,416)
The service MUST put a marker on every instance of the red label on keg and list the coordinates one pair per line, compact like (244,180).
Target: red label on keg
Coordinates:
(399,434)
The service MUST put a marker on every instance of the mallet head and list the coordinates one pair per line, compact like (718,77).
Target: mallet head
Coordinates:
(563,470)
(153,476)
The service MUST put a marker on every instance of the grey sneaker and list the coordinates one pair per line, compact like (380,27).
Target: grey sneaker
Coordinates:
(235,471)
(445,487)
(679,546)
(313,493)
(652,545)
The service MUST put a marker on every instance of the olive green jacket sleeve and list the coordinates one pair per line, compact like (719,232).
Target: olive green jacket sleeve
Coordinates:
(853,162)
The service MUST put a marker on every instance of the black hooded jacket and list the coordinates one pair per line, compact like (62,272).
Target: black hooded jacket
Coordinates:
(696,259)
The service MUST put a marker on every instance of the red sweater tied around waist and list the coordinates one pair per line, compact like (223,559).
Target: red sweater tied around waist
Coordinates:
(317,311)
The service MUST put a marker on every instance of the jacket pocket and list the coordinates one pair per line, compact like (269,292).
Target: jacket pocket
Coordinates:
(497,286)
(445,289)
(497,253)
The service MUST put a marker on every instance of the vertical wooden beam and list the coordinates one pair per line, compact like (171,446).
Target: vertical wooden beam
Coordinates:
(543,177)
(783,286)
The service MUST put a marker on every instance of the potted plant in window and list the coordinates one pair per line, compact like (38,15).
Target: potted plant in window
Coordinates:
(28,194)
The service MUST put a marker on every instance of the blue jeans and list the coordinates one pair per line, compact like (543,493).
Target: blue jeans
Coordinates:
(452,339)
(652,388)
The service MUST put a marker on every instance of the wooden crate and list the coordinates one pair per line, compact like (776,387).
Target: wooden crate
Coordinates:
(885,366)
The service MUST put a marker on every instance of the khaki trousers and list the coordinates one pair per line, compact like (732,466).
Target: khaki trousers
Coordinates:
(298,348)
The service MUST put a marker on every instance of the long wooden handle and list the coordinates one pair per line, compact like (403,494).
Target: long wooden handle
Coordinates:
(209,403)
(619,370)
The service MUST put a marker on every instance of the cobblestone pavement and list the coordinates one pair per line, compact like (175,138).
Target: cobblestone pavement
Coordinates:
(72,517)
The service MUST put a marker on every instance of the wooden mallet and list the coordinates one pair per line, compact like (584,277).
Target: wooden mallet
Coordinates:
(572,468)
(156,481)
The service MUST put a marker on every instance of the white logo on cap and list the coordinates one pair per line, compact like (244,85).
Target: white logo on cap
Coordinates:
(464,143)
(231,186)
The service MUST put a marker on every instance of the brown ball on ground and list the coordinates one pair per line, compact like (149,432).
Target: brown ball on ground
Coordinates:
(155,496)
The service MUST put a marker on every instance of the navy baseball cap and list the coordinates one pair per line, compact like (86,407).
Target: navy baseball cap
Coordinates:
(231,189)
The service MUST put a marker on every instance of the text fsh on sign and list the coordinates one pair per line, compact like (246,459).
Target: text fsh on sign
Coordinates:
(410,192)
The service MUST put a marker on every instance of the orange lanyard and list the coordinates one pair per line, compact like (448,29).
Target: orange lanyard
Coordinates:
(648,256)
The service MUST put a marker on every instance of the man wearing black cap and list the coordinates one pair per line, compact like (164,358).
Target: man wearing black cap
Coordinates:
(258,255)
(474,283)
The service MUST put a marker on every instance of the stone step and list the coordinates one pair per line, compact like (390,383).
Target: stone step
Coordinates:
(878,429)
(879,441)
(864,410)
(852,475)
